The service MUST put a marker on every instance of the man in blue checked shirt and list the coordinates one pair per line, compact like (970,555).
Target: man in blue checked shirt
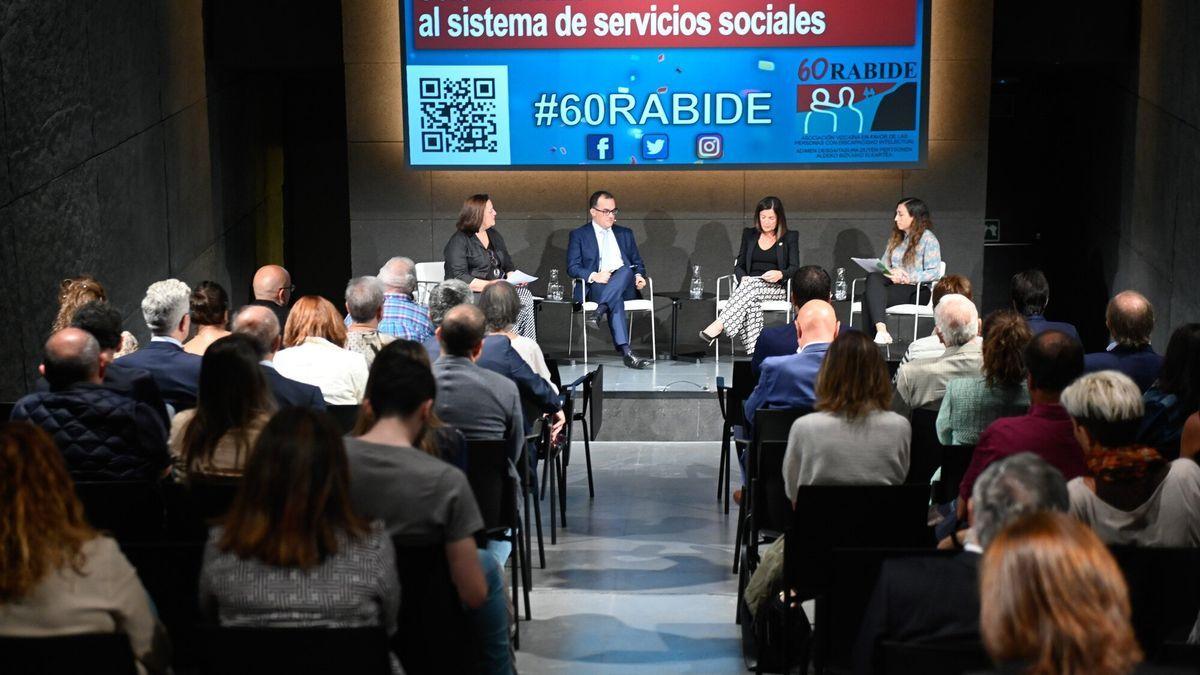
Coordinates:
(403,317)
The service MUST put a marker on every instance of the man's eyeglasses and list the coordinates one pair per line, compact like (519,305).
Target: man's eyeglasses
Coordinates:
(607,212)
(289,289)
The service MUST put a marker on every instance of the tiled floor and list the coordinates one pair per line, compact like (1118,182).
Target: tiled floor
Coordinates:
(639,582)
(663,375)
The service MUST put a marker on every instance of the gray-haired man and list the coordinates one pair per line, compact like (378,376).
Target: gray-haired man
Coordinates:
(403,317)
(176,372)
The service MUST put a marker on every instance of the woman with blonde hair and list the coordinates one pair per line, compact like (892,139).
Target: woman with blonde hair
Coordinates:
(58,576)
(314,340)
(75,292)
(1054,602)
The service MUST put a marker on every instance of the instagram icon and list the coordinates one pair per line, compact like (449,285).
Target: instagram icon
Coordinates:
(710,146)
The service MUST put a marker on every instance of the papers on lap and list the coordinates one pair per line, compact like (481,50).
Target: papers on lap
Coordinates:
(872,264)
(517,277)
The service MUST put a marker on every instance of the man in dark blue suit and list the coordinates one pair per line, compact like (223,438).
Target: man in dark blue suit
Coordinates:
(1030,294)
(176,372)
(789,381)
(260,323)
(605,256)
(1130,320)
(810,282)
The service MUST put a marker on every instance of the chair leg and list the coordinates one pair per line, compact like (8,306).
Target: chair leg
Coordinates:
(562,493)
(571,335)
(727,454)
(653,336)
(583,329)
(587,455)
(551,467)
(721,464)
(516,598)
(537,518)
(741,532)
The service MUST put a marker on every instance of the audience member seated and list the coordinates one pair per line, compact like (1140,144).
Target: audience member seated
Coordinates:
(422,500)
(972,403)
(103,321)
(292,551)
(922,383)
(403,317)
(1054,601)
(789,381)
(483,405)
(931,345)
(1175,396)
(210,316)
(501,305)
(852,439)
(538,396)
(1132,495)
(934,599)
(78,291)
(260,324)
(1030,293)
(102,433)
(58,576)
(273,288)
(177,373)
(1130,320)
(314,352)
(1054,359)
(235,403)
(810,282)
(364,309)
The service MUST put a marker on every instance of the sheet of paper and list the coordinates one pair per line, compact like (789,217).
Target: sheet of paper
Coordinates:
(518,277)
(871,264)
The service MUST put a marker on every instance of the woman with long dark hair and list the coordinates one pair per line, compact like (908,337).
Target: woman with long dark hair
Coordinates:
(58,576)
(1175,396)
(768,256)
(292,551)
(477,255)
(912,256)
(233,405)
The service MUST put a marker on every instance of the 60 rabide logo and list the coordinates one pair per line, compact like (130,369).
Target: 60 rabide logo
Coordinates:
(710,146)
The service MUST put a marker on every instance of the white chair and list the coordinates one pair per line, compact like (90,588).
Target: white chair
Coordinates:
(915,309)
(784,306)
(429,274)
(637,305)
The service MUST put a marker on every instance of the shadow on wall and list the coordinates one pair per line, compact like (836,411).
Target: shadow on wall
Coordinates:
(714,251)
(852,243)
(665,262)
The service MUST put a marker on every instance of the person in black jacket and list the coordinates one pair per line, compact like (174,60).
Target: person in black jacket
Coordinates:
(768,256)
(476,255)
(103,434)
(260,323)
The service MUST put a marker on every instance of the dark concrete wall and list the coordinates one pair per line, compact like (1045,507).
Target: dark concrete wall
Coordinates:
(1159,237)
(110,143)
(679,217)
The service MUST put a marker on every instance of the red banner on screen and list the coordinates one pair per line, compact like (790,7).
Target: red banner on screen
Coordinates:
(612,24)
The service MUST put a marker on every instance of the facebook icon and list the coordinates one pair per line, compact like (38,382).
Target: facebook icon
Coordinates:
(600,146)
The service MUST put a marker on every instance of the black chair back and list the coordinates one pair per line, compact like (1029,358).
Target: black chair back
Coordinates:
(193,506)
(92,653)
(170,572)
(434,633)
(829,517)
(344,415)
(926,451)
(1164,592)
(129,510)
(487,471)
(770,507)
(6,408)
(743,385)
(285,651)
(593,401)
(935,658)
(955,460)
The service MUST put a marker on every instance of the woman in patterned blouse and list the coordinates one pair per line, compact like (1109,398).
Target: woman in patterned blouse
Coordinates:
(913,256)
(291,551)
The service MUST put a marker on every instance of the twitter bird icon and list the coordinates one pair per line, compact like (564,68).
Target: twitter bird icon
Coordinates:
(654,146)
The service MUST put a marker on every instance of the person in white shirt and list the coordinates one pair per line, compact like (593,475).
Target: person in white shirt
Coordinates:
(314,340)
(931,345)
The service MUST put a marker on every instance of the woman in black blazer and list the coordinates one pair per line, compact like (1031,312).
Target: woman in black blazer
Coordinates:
(768,256)
(476,255)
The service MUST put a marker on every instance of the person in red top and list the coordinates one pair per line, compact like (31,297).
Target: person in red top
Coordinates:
(1054,360)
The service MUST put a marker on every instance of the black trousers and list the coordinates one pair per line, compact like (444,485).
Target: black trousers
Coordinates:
(882,293)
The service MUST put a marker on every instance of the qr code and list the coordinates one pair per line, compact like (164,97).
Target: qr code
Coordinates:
(458,114)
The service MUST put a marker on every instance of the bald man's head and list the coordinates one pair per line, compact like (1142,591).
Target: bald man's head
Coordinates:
(261,324)
(1130,319)
(816,322)
(462,329)
(71,356)
(273,284)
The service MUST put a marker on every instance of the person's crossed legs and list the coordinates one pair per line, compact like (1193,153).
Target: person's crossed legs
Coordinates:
(610,300)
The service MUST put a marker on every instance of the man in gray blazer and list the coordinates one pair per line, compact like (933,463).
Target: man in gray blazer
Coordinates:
(483,405)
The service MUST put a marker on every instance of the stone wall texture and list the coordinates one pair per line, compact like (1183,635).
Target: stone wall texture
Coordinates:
(680,218)
(110,139)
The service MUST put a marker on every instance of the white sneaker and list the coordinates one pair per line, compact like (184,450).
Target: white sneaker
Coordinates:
(883,338)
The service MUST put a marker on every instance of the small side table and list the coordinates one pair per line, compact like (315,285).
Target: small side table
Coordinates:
(677,300)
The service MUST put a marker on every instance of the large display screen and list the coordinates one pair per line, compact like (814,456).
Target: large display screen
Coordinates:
(696,83)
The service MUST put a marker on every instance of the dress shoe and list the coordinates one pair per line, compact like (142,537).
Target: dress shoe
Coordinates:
(709,338)
(634,361)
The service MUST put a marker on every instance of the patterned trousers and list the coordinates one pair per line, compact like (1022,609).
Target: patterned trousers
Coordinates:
(526,324)
(743,313)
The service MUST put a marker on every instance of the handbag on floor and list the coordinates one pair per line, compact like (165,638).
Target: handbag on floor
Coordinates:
(765,634)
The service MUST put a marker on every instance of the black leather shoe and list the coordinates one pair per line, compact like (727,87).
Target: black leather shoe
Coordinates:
(593,323)
(636,362)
